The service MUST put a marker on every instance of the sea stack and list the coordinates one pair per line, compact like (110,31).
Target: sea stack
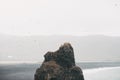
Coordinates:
(59,65)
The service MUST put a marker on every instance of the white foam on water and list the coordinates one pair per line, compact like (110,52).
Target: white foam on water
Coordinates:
(100,73)
(98,69)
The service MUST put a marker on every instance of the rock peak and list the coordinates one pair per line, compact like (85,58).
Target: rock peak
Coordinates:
(66,47)
(59,65)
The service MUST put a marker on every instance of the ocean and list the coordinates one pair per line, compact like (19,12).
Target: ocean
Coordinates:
(91,71)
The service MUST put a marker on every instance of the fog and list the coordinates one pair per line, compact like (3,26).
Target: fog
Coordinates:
(64,17)
(30,28)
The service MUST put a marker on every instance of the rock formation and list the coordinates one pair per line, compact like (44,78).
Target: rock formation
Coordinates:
(59,65)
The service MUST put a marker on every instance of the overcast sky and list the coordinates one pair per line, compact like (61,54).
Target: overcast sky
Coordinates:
(60,17)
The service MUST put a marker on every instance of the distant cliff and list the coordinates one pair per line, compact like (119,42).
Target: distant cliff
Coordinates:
(59,65)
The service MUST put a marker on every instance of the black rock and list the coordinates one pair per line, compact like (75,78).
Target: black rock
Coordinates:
(59,65)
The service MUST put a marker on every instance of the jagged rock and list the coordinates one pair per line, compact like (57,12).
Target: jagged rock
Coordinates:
(59,65)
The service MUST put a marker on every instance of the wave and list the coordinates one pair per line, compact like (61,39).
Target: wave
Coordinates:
(18,62)
(99,69)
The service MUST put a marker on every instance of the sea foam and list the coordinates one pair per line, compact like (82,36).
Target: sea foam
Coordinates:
(105,73)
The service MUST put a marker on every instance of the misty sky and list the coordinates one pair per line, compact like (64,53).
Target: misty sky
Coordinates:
(60,17)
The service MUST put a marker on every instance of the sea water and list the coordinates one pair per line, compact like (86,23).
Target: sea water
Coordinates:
(106,73)
(91,71)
